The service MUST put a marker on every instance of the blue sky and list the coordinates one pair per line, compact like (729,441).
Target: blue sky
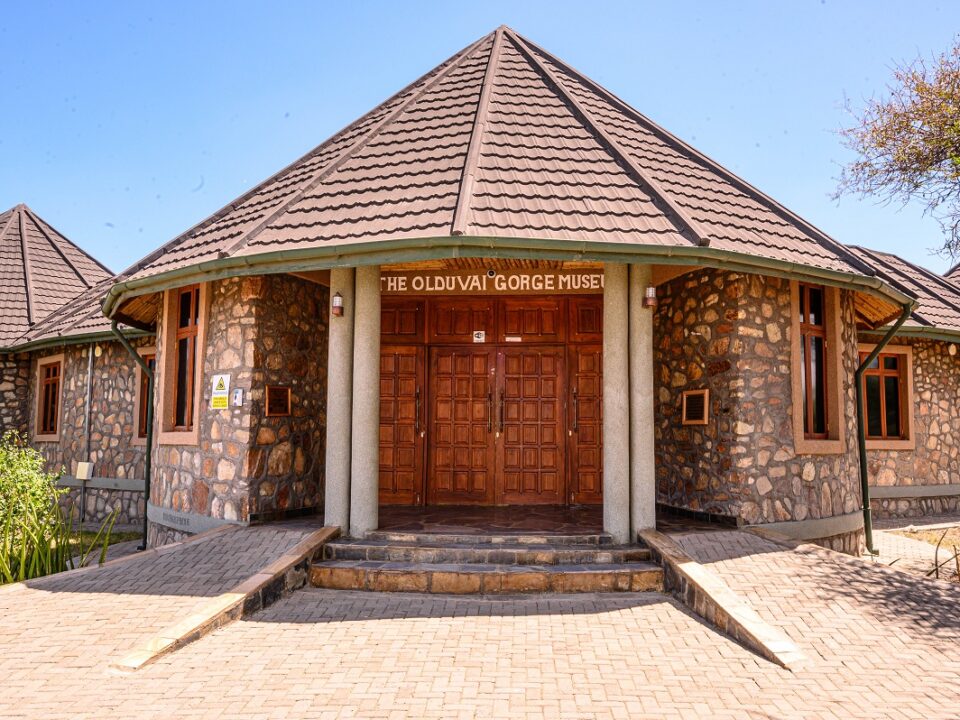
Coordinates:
(126,123)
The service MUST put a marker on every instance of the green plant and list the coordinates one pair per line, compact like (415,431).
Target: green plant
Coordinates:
(35,533)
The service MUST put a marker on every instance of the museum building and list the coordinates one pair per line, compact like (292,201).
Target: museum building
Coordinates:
(503,287)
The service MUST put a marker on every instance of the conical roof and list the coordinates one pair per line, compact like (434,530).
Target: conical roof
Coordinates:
(40,271)
(502,140)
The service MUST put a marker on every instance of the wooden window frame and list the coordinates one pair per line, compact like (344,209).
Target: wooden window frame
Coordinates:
(167,360)
(38,434)
(835,441)
(908,441)
(138,407)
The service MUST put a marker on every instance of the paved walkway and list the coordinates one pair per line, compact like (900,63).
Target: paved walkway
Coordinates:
(914,556)
(882,644)
(74,624)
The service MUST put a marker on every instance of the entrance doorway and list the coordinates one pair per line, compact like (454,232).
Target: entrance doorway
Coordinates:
(511,416)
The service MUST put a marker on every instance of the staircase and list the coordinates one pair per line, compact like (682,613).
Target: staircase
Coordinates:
(485,564)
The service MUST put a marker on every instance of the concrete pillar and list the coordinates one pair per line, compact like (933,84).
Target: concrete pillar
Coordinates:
(643,483)
(616,404)
(365,442)
(339,403)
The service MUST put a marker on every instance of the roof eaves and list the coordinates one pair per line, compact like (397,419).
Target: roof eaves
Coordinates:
(686,225)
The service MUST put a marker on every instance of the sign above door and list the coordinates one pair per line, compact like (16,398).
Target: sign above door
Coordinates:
(491,282)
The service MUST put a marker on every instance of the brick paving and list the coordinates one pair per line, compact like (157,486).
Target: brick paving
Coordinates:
(882,644)
(912,555)
(76,623)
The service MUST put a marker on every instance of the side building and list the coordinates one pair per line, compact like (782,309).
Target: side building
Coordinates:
(67,385)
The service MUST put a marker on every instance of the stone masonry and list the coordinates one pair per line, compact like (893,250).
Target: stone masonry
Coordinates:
(112,448)
(730,332)
(14,382)
(936,429)
(264,330)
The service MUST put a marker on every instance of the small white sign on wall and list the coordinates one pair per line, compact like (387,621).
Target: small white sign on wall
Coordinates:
(479,336)
(220,392)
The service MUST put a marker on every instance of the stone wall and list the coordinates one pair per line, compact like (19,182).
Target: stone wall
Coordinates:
(730,332)
(113,449)
(14,388)
(265,330)
(935,460)
(100,503)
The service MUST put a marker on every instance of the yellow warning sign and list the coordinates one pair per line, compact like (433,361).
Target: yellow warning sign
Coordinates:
(220,390)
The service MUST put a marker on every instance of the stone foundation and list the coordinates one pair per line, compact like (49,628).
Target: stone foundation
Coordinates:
(852,543)
(100,503)
(160,535)
(915,507)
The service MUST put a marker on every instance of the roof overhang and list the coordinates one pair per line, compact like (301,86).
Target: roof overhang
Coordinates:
(382,252)
(80,339)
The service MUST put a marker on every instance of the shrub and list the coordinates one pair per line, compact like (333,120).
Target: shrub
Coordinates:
(34,532)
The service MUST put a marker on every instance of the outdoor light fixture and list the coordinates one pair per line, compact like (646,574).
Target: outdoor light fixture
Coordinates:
(336,305)
(650,297)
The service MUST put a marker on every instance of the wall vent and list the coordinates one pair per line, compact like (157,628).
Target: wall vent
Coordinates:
(278,400)
(696,407)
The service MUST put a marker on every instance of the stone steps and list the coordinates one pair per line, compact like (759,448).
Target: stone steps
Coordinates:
(484,553)
(485,564)
(489,538)
(483,578)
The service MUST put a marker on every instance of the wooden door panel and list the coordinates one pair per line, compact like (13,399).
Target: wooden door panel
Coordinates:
(455,320)
(461,426)
(531,446)
(401,321)
(528,320)
(586,424)
(401,418)
(586,319)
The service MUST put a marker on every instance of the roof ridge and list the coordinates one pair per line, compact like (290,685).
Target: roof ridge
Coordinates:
(684,222)
(736,180)
(40,220)
(236,202)
(350,151)
(38,224)
(468,176)
(27,273)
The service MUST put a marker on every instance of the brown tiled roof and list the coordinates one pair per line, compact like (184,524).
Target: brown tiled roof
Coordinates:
(40,271)
(938,299)
(503,141)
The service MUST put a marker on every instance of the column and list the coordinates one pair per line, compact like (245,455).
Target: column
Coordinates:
(339,403)
(365,442)
(616,404)
(643,483)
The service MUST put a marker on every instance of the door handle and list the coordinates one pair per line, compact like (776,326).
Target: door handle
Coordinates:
(489,411)
(416,411)
(576,410)
(501,412)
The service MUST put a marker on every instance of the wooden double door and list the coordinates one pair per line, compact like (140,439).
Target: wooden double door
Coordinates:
(490,424)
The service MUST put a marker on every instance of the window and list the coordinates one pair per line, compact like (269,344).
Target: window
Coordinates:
(185,353)
(883,397)
(48,392)
(818,383)
(813,361)
(888,398)
(179,379)
(142,406)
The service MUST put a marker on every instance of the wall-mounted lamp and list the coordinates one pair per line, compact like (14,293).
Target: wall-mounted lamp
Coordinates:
(336,305)
(650,297)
